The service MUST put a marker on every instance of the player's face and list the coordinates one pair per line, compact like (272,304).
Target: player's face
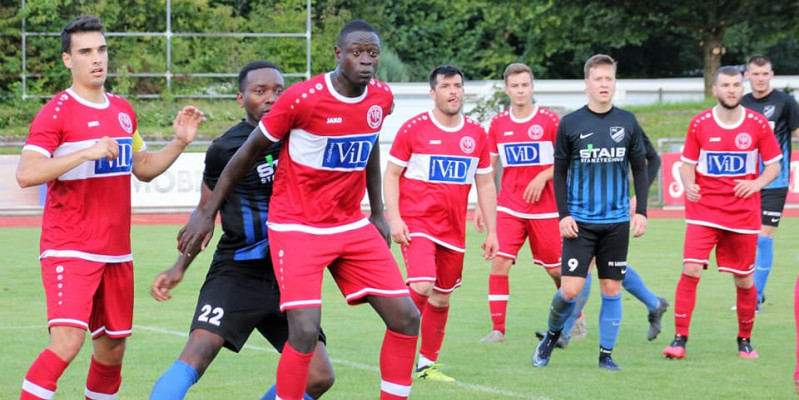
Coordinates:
(261,88)
(600,85)
(759,77)
(358,60)
(519,88)
(729,90)
(87,59)
(448,94)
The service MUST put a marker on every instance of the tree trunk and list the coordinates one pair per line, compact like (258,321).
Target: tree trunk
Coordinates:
(712,49)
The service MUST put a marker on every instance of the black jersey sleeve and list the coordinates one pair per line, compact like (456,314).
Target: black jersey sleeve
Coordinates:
(792,109)
(652,159)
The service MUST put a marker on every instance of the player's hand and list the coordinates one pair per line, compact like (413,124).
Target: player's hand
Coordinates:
(477,219)
(164,282)
(104,148)
(490,247)
(745,188)
(633,205)
(399,232)
(534,189)
(693,193)
(186,124)
(568,227)
(380,222)
(194,237)
(638,225)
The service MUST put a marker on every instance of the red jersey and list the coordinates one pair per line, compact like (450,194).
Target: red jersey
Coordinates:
(440,164)
(723,154)
(327,141)
(525,148)
(87,211)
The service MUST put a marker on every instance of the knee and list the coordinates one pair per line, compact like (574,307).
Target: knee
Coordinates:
(422,288)
(406,321)
(66,342)
(110,352)
(569,293)
(303,335)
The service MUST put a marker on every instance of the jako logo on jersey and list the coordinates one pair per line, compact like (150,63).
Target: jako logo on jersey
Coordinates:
(535,132)
(121,164)
(374,117)
(467,144)
(617,133)
(335,120)
(768,110)
(612,154)
(348,152)
(522,153)
(449,169)
(743,141)
(125,122)
(726,163)
(93,124)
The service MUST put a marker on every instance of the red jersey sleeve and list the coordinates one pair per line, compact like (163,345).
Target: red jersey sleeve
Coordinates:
(279,121)
(45,130)
(492,137)
(401,149)
(484,164)
(690,152)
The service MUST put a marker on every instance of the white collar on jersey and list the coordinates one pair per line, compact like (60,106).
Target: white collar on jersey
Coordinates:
(521,121)
(446,128)
(87,103)
(341,97)
(732,125)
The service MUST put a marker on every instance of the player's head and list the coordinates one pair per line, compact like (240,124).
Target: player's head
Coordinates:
(728,86)
(600,79)
(519,84)
(759,73)
(260,84)
(446,89)
(358,52)
(84,51)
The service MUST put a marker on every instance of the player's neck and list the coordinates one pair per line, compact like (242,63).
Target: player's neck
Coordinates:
(760,95)
(728,116)
(345,87)
(522,112)
(92,94)
(599,107)
(449,121)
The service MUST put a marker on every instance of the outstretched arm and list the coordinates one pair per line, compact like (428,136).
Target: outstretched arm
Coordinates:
(147,165)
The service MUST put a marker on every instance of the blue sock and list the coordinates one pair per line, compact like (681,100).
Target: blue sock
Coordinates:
(609,320)
(763,261)
(559,312)
(633,283)
(175,382)
(578,308)
(271,394)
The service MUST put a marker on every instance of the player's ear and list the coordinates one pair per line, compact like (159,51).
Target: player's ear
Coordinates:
(240,98)
(67,59)
(338,53)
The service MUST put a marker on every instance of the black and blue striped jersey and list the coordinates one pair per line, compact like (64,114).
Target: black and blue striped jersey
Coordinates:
(782,113)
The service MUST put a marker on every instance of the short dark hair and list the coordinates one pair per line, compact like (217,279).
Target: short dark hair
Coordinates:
(84,23)
(759,60)
(598,59)
(252,66)
(357,25)
(517,68)
(729,70)
(446,70)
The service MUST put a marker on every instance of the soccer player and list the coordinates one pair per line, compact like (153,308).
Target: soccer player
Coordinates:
(722,184)
(594,149)
(240,293)
(84,144)
(434,160)
(782,113)
(523,139)
(330,126)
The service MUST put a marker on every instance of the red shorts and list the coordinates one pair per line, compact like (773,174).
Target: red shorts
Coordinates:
(544,234)
(735,252)
(89,295)
(359,260)
(428,261)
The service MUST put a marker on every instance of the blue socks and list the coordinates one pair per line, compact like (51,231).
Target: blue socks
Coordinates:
(559,312)
(581,299)
(175,382)
(609,321)
(633,283)
(272,393)
(763,261)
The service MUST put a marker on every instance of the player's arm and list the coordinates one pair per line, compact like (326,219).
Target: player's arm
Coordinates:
(487,203)
(148,165)
(641,183)
(399,230)
(747,187)
(195,235)
(560,172)
(477,219)
(688,178)
(373,189)
(35,168)
(169,278)
(532,193)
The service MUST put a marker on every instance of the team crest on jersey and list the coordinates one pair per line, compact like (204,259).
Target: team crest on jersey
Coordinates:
(467,144)
(535,132)
(617,133)
(374,117)
(743,141)
(768,110)
(125,122)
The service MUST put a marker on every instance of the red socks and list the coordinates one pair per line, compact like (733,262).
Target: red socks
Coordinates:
(292,373)
(396,365)
(40,381)
(434,324)
(498,294)
(418,299)
(103,380)
(746,305)
(684,303)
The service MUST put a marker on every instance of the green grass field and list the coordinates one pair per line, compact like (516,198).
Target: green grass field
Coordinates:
(712,368)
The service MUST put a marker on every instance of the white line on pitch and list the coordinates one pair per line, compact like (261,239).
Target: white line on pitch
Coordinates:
(364,367)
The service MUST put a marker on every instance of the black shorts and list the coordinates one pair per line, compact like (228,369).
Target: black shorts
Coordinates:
(772,202)
(232,303)
(608,242)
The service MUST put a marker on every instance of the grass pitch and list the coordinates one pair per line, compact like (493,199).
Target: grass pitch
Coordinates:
(712,368)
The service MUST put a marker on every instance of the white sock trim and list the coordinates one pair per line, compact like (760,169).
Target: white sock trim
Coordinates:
(37,390)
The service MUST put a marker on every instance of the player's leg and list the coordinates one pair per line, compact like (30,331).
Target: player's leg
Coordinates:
(200,350)
(772,202)
(611,266)
(420,267)
(735,253)
(656,305)
(69,286)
